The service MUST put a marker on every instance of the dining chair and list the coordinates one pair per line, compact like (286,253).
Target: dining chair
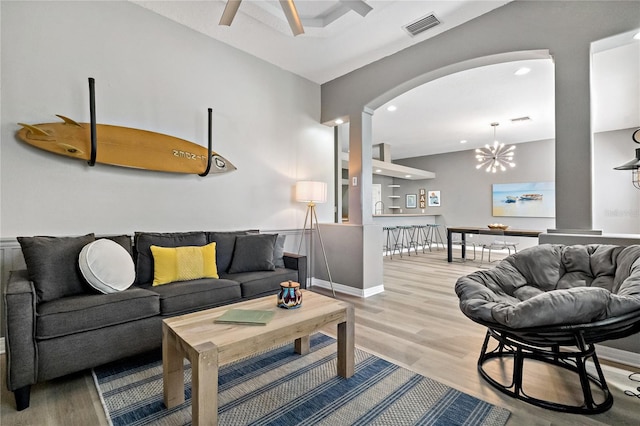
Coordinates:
(492,239)
(469,241)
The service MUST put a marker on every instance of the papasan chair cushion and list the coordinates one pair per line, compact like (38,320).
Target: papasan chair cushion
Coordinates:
(553,284)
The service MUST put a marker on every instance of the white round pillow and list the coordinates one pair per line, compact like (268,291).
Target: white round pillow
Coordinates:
(107,266)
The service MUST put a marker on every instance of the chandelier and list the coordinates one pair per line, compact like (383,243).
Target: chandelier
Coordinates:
(495,157)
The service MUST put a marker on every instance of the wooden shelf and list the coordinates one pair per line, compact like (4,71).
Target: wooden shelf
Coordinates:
(394,207)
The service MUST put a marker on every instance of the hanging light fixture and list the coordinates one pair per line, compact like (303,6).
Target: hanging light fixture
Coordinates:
(496,156)
(633,165)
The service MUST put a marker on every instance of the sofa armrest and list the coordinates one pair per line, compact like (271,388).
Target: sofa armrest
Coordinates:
(20,309)
(299,263)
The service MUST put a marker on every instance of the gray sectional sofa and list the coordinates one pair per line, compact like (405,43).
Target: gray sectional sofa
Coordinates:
(57,324)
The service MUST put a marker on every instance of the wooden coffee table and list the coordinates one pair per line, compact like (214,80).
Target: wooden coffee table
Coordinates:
(207,345)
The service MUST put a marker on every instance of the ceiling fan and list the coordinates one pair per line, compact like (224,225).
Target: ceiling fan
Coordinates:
(288,7)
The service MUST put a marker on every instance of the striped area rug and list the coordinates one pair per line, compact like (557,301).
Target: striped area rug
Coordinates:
(279,387)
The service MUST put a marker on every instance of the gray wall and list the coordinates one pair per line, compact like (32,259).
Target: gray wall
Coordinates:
(466,191)
(349,273)
(563,28)
(151,73)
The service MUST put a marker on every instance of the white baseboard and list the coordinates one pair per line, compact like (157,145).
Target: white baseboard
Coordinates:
(345,289)
(618,355)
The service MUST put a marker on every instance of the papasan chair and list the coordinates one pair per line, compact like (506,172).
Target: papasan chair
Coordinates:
(551,303)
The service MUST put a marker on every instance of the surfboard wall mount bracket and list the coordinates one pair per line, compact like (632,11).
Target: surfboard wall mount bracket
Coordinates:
(209,145)
(92,113)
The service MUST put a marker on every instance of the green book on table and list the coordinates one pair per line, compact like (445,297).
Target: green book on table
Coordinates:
(246,316)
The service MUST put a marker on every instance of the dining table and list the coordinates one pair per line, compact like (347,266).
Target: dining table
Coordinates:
(464,230)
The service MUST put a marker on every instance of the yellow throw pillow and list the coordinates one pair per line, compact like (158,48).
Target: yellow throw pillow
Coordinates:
(183,263)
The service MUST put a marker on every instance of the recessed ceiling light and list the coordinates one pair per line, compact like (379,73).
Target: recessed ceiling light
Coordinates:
(339,121)
(407,176)
(392,108)
(463,141)
(522,71)
(637,36)
(378,171)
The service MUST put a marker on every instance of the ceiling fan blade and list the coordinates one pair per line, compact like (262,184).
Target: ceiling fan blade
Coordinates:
(291,13)
(229,12)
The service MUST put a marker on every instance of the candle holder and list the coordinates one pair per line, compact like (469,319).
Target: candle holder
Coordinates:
(290,296)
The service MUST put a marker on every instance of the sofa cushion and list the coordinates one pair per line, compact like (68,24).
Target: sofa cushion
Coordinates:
(144,241)
(225,244)
(259,283)
(186,296)
(554,285)
(52,264)
(86,312)
(183,263)
(253,253)
(106,266)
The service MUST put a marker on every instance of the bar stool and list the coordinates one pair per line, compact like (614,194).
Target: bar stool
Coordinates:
(422,239)
(391,240)
(407,239)
(434,235)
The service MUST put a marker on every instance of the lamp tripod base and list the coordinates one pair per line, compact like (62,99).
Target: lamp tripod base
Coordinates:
(310,217)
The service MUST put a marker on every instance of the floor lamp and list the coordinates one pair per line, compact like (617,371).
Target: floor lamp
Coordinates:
(311,192)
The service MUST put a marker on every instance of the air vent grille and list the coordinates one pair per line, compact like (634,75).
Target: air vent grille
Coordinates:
(520,119)
(421,25)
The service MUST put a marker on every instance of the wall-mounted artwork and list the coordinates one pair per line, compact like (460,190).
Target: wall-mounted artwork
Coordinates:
(434,199)
(422,198)
(532,199)
(412,201)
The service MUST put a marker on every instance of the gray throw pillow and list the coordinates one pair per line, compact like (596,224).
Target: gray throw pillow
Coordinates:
(278,251)
(253,253)
(225,244)
(123,240)
(52,265)
(144,241)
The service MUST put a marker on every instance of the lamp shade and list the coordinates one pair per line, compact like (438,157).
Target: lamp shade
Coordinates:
(631,165)
(311,192)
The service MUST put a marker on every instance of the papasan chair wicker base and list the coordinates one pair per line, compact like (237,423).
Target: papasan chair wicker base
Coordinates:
(567,347)
(552,304)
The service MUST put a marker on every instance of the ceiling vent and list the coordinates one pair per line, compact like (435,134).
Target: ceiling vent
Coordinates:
(520,119)
(421,25)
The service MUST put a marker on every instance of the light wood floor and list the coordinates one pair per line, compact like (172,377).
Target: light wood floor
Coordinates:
(415,323)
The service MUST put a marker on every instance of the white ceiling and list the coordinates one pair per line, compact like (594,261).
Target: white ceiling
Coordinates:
(338,40)
(322,53)
(436,116)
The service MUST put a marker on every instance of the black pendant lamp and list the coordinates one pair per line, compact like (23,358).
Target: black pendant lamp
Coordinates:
(633,165)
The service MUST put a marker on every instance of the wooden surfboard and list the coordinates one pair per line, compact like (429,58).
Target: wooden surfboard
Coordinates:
(123,146)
